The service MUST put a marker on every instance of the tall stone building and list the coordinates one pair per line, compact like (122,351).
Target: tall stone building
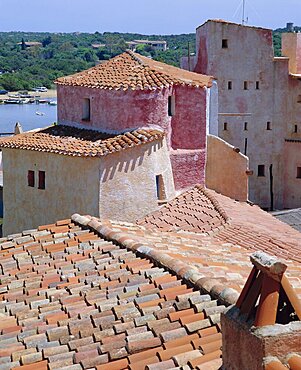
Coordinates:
(259,104)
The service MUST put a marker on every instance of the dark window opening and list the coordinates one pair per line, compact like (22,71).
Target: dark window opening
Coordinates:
(246,146)
(246,126)
(295,129)
(225,126)
(257,85)
(86,109)
(229,85)
(30,178)
(298,172)
(41,179)
(299,99)
(245,85)
(224,43)
(260,171)
(171,105)
(160,190)
(269,125)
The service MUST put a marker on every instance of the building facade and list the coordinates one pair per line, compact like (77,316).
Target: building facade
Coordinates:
(132,91)
(258,104)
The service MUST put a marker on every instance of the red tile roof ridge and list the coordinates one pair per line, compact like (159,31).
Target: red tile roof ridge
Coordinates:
(133,71)
(183,270)
(195,210)
(73,141)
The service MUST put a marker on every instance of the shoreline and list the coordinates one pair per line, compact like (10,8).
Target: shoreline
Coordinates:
(49,94)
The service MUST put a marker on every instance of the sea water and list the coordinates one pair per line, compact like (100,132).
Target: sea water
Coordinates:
(26,114)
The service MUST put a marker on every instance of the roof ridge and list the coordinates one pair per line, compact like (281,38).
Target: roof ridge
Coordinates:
(215,203)
(213,286)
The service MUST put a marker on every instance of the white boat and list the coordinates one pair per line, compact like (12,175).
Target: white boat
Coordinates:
(40,113)
(52,102)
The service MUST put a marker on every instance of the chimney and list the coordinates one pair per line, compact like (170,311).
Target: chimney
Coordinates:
(263,329)
(18,129)
(291,48)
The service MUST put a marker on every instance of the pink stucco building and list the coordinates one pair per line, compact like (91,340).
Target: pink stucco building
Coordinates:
(259,104)
(132,91)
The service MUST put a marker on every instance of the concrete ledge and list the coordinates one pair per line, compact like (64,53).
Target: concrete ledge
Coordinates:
(226,296)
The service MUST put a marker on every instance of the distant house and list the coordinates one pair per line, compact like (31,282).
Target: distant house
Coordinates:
(154,44)
(30,44)
(130,131)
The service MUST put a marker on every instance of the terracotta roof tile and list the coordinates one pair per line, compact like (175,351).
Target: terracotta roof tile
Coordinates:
(71,141)
(101,310)
(133,71)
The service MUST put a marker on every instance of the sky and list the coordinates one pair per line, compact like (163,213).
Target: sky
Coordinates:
(141,16)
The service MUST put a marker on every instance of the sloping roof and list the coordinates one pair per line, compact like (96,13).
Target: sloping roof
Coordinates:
(247,225)
(73,141)
(133,71)
(71,300)
(292,217)
(194,210)
(233,24)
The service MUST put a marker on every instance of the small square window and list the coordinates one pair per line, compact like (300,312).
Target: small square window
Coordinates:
(257,85)
(229,85)
(224,43)
(246,126)
(299,99)
(171,105)
(269,127)
(245,85)
(298,172)
(295,129)
(30,178)
(41,179)
(225,126)
(260,171)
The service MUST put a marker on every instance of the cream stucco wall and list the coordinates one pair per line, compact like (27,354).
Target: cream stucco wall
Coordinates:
(119,186)
(72,185)
(226,169)
(128,181)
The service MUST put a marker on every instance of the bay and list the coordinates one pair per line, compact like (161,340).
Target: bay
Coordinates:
(26,115)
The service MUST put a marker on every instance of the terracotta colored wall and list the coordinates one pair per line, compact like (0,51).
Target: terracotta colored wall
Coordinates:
(128,181)
(72,185)
(226,169)
(188,167)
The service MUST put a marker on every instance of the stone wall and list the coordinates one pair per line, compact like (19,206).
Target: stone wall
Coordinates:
(226,169)
(267,341)
(128,181)
(72,185)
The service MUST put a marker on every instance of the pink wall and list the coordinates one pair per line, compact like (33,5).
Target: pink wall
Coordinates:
(123,110)
(188,167)
(189,121)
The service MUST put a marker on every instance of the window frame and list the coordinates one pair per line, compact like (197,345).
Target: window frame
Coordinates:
(42,180)
(31,178)
(86,109)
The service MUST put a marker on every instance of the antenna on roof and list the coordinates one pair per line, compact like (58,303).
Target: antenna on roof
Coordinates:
(243,12)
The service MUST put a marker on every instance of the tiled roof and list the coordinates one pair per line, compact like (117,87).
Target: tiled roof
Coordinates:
(72,300)
(133,71)
(291,217)
(247,225)
(73,141)
(194,211)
